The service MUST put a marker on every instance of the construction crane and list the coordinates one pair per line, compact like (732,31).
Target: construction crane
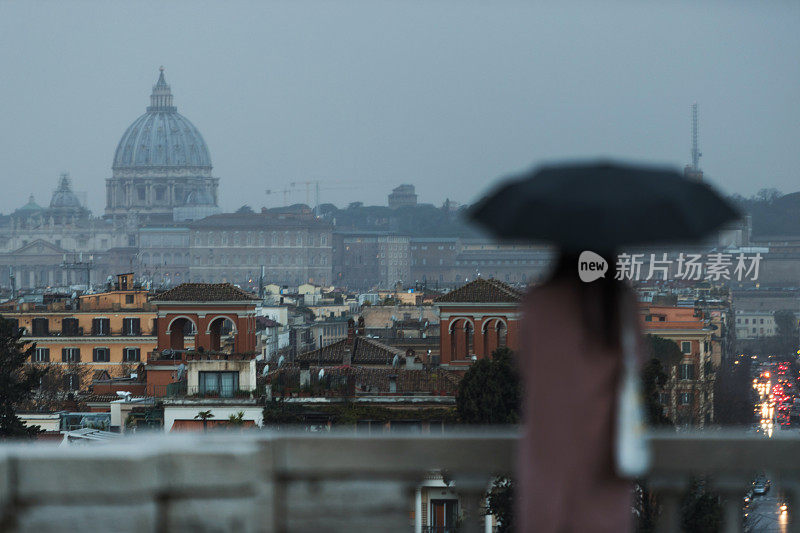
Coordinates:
(308,185)
(285,193)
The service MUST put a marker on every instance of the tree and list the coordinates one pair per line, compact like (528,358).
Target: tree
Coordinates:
(665,350)
(768,195)
(237,420)
(56,385)
(245,209)
(204,416)
(501,503)
(491,393)
(653,379)
(701,509)
(733,394)
(18,380)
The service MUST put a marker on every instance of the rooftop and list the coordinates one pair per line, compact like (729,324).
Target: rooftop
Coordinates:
(482,291)
(361,351)
(204,292)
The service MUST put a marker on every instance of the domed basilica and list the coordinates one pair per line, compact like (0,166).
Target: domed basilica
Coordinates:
(161,163)
(161,221)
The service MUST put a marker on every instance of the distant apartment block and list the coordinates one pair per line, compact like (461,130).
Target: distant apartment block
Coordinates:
(108,331)
(371,259)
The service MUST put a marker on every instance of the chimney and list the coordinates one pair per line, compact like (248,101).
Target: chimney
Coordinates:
(361,326)
(351,331)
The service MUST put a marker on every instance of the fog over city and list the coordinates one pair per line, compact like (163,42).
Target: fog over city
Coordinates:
(363,96)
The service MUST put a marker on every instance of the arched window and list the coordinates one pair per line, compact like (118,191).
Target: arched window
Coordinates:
(502,334)
(469,339)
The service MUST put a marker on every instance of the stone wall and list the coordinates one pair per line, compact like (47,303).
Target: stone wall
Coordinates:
(247,482)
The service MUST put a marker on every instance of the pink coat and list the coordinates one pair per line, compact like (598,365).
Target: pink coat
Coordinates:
(566,472)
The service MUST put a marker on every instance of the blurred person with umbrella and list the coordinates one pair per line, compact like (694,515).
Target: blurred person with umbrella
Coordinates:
(583,430)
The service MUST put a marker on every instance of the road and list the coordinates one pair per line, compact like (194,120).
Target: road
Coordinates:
(776,390)
(763,514)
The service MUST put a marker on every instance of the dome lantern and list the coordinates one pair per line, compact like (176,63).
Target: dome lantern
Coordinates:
(161,97)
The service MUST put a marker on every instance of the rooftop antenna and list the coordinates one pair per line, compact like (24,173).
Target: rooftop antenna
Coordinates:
(692,170)
(695,149)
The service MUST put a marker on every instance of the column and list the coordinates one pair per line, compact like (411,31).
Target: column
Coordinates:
(418,510)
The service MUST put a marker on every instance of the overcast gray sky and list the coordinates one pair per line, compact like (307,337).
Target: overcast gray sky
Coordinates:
(365,95)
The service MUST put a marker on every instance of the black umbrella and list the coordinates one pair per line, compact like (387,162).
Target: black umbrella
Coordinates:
(603,206)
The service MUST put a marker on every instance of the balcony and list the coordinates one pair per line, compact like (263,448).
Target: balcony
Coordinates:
(181,390)
(263,481)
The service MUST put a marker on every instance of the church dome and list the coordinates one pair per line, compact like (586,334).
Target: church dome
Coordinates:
(31,206)
(63,197)
(162,139)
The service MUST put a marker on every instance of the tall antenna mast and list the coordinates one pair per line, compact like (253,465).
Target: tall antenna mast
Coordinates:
(695,149)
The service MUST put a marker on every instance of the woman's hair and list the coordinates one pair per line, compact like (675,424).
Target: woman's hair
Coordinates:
(600,299)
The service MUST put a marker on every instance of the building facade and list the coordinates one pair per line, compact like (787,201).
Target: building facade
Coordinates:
(688,397)
(403,196)
(371,259)
(57,245)
(452,261)
(111,331)
(476,319)
(292,248)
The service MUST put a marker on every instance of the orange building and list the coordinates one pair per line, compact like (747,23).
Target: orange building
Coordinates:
(476,319)
(688,397)
(111,331)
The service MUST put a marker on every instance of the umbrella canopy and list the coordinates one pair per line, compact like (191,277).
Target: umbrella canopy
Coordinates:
(603,206)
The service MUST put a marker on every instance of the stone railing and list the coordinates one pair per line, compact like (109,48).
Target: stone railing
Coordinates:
(260,481)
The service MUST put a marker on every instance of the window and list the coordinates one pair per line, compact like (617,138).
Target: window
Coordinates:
(101,355)
(129,298)
(70,355)
(687,371)
(224,384)
(663,398)
(69,327)
(762,321)
(41,355)
(159,193)
(141,193)
(686,347)
(130,355)
(72,381)
(130,326)
(41,327)
(101,326)
(746,320)
(444,515)
(685,398)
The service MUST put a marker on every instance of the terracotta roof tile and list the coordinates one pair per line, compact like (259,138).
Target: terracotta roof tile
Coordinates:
(482,291)
(363,351)
(204,292)
(377,380)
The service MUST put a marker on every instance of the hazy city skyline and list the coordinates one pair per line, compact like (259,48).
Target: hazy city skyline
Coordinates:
(363,96)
